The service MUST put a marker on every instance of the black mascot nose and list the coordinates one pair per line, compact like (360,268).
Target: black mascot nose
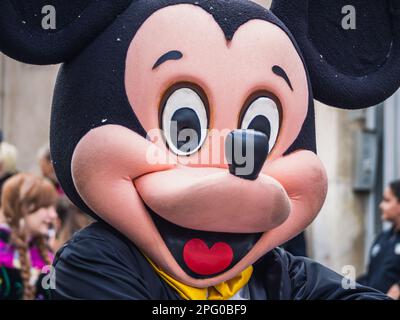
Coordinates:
(246,152)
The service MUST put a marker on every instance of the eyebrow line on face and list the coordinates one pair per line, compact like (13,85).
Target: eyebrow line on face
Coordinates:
(171,55)
(281,73)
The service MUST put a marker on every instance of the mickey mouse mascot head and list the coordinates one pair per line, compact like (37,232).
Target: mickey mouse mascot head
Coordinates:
(187,217)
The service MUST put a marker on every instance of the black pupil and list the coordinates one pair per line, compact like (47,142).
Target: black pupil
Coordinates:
(261,123)
(185,130)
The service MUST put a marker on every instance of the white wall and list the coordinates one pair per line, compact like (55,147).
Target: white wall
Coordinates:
(25,103)
(337,235)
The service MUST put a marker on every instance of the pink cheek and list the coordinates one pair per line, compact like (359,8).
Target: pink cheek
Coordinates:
(302,175)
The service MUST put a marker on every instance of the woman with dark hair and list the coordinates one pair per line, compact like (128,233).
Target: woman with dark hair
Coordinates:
(28,210)
(384,266)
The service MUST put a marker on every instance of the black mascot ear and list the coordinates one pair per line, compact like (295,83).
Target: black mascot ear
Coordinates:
(53,31)
(351,47)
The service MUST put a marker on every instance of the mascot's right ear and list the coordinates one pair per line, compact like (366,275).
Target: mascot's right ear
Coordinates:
(53,31)
(351,47)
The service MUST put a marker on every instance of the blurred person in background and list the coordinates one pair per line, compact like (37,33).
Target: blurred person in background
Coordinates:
(8,160)
(384,263)
(47,169)
(70,220)
(28,212)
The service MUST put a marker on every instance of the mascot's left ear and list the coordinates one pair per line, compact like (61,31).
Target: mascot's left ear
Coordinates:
(28,33)
(351,47)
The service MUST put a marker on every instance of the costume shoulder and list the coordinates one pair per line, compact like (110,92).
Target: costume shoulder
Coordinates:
(100,263)
(310,280)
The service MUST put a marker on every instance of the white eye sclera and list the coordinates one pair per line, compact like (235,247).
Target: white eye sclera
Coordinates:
(263,115)
(184,121)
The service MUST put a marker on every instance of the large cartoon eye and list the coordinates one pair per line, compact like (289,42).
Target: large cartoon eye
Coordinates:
(262,115)
(184,121)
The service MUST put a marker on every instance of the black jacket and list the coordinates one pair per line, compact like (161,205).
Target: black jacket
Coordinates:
(297,246)
(384,262)
(100,263)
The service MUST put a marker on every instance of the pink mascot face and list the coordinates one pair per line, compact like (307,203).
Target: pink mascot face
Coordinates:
(201,218)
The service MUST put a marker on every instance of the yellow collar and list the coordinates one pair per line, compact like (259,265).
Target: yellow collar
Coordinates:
(222,291)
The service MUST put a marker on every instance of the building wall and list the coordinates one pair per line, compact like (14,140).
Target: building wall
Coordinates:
(337,235)
(265,3)
(391,139)
(25,103)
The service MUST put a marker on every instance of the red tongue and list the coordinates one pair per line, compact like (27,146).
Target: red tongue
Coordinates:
(204,261)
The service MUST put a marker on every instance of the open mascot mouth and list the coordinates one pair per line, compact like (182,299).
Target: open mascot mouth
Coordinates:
(203,254)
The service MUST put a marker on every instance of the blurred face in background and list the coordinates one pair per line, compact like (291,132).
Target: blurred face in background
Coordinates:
(390,207)
(39,222)
(8,159)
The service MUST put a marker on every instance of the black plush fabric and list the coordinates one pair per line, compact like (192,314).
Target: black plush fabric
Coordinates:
(78,22)
(348,68)
(90,90)
(31,11)
(360,51)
